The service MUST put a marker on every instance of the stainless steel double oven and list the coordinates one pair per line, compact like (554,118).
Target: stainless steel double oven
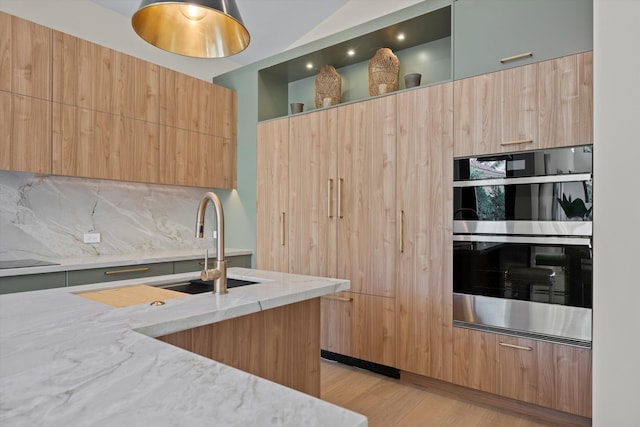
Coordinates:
(522,243)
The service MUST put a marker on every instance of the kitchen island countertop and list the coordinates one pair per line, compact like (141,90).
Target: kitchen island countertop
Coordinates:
(66,360)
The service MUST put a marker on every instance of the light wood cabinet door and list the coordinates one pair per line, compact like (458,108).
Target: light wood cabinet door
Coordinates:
(272,159)
(526,370)
(30,134)
(566,101)
(5,128)
(225,112)
(91,76)
(573,379)
(424,268)
(146,151)
(30,59)
(92,144)
(312,199)
(366,238)
(5,52)
(496,112)
(360,326)
(147,91)
(474,359)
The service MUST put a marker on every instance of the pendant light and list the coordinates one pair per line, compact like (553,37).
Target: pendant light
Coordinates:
(197,28)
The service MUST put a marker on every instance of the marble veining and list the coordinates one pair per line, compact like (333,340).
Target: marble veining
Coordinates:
(46,217)
(65,360)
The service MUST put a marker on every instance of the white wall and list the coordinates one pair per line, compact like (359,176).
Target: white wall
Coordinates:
(616,326)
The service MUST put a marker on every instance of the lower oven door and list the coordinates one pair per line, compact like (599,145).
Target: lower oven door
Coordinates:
(528,285)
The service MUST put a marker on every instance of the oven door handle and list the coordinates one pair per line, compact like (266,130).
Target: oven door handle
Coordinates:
(538,240)
(551,179)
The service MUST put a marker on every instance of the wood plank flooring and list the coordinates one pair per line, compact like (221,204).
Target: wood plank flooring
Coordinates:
(388,402)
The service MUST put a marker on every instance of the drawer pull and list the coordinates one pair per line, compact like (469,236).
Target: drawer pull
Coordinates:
(340,197)
(517,347)
(129,270)
(401,231)
(514,57)
(520,141)
(345,299)
(329,190)
(282,226)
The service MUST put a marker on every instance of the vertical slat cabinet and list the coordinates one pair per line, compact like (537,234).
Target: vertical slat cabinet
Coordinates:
(312,207)
(424,267)
(272,201)
(5,52)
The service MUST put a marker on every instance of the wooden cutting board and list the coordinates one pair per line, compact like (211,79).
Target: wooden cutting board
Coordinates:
(131,295)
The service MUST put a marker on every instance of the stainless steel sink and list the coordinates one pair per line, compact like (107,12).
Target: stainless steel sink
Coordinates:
(200,286)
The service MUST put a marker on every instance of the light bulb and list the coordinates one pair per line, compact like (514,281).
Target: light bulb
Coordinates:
(193,12)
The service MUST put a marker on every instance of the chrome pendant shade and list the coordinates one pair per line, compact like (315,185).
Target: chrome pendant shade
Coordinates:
(198,28)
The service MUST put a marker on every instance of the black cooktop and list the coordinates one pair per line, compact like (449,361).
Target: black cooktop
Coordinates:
(20,263)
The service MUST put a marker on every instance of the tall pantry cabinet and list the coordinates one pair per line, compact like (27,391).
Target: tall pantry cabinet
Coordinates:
(368,200)
(339,219)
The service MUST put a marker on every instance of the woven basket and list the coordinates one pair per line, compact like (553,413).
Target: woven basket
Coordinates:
(328,86)
(384,72)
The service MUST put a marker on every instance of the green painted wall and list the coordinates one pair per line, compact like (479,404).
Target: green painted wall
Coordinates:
(240,204)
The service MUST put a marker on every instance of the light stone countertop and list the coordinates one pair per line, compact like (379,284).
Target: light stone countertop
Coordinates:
(69,361)
(106,261)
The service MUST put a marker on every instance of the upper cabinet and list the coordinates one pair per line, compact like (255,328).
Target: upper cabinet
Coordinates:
(25,95)
(72,107)
(542,105)
(91,76)
(492,35)
(26,57)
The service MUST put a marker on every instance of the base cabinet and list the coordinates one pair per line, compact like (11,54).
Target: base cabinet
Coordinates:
(360,326)
(547,374)
(280,344)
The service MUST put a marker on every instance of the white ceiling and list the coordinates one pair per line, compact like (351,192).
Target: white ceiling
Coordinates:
(278,25)
(273,24)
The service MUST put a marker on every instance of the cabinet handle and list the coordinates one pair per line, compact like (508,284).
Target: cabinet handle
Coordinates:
(514,57)
(282,229)
(340,197)
(520,141)
(329,190)
(130,270)
(345,299)
(517,347)
(401,231)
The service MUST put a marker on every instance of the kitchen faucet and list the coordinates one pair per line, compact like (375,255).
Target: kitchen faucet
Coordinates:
(219,273)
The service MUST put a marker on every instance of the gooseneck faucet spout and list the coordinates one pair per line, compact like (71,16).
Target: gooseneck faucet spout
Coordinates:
(219,273)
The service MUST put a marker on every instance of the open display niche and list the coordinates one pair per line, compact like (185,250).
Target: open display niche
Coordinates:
(425,49)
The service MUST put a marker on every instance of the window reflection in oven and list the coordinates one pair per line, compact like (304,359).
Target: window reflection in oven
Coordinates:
(556,274)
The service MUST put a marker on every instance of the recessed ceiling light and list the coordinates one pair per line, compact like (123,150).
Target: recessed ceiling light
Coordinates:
(401,36)
(351,52)
(309,65)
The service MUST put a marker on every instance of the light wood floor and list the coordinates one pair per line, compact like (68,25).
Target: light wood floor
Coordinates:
(388,402)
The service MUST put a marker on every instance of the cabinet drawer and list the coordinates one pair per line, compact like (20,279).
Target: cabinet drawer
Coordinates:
(97,275)
(547,374)
(32,282)
(191,265)
(488,31)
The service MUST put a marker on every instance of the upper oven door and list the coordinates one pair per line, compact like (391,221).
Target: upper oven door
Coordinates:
(546,192)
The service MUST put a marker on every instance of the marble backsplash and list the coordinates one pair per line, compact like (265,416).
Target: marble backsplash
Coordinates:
(47,216)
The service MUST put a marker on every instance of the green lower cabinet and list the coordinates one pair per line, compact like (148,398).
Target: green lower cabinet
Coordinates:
(124,272)
(192,265)
(32,282)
